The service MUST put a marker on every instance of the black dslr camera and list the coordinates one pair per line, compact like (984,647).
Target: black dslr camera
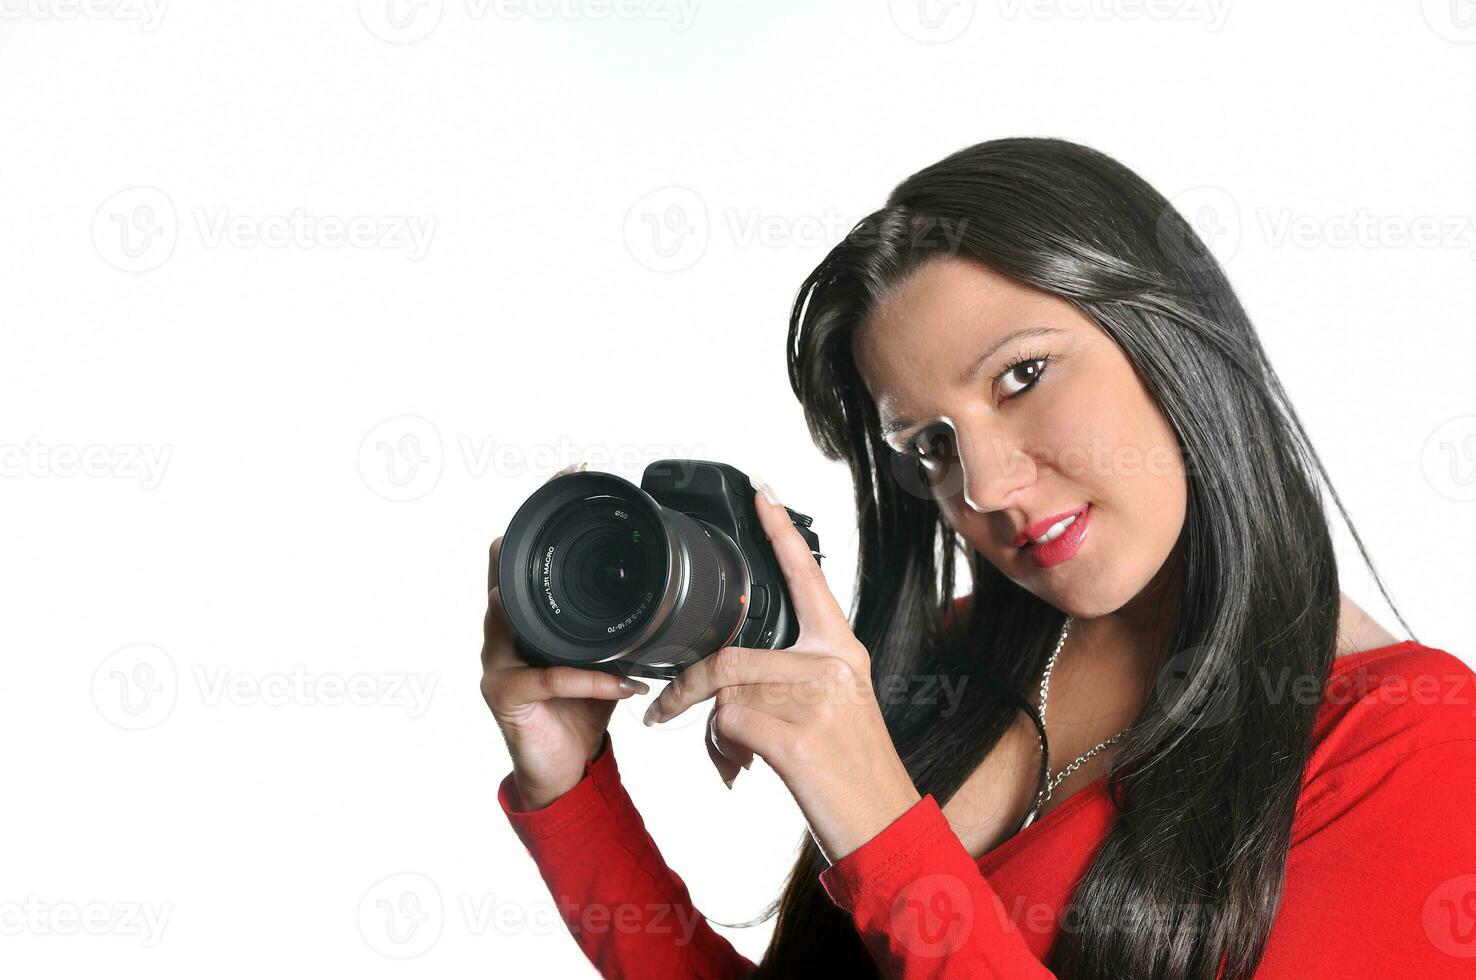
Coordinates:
(597,572)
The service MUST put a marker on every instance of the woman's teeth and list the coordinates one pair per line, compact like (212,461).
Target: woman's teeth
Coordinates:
(1057,529)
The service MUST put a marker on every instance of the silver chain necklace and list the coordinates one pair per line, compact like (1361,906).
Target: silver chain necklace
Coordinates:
(1043,796)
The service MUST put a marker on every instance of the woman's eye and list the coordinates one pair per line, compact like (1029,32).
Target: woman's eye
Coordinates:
(932,447)
(1023,373)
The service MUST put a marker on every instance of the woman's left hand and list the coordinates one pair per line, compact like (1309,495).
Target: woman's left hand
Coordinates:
(808,710)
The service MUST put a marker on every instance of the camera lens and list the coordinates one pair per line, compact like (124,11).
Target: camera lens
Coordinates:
(601,569)
(594,571)
(602,573)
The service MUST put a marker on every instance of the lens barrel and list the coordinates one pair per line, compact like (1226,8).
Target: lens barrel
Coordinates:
(594,572)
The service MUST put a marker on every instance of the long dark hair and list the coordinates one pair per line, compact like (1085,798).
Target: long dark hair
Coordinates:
(1190,875)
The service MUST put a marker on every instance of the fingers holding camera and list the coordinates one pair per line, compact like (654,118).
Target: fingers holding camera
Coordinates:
(509,683)
(492,554)
(515,688)
(815,606)
(497,636)
(728,757)
(773,677)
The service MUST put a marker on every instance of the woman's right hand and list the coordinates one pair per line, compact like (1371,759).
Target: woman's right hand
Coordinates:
(552,718)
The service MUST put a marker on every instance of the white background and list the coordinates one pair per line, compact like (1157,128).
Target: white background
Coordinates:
(247,472)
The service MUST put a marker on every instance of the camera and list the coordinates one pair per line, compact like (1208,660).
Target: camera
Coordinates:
(599,573)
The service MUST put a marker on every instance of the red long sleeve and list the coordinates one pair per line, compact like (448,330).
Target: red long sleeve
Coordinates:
(628,911)
(1380,878)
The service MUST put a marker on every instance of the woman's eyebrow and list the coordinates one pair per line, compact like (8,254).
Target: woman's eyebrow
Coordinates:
(898,424)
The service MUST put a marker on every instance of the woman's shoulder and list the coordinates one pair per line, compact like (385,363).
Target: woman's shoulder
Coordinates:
(1394,737)
(1381,705)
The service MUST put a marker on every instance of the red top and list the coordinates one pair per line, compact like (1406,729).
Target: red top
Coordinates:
(1380,879)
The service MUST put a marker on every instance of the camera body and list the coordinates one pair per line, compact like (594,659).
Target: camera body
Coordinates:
(596,572)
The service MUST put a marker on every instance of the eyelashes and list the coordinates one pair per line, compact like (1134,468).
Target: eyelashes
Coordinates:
(923,445)
(1019,362)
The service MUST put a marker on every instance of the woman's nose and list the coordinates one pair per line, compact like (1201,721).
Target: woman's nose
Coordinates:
(993,466)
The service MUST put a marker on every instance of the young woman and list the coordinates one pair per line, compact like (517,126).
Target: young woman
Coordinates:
(1178,750)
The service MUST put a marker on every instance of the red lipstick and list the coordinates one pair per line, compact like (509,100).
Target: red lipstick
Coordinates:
(1064,546)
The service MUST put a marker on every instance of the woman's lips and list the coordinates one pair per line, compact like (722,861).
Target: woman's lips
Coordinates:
(1065,545)
(1040,527)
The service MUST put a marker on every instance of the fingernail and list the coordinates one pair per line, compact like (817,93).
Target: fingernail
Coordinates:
(634,687)
(649,718)
(766,490)
(748,764)
(729,782)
